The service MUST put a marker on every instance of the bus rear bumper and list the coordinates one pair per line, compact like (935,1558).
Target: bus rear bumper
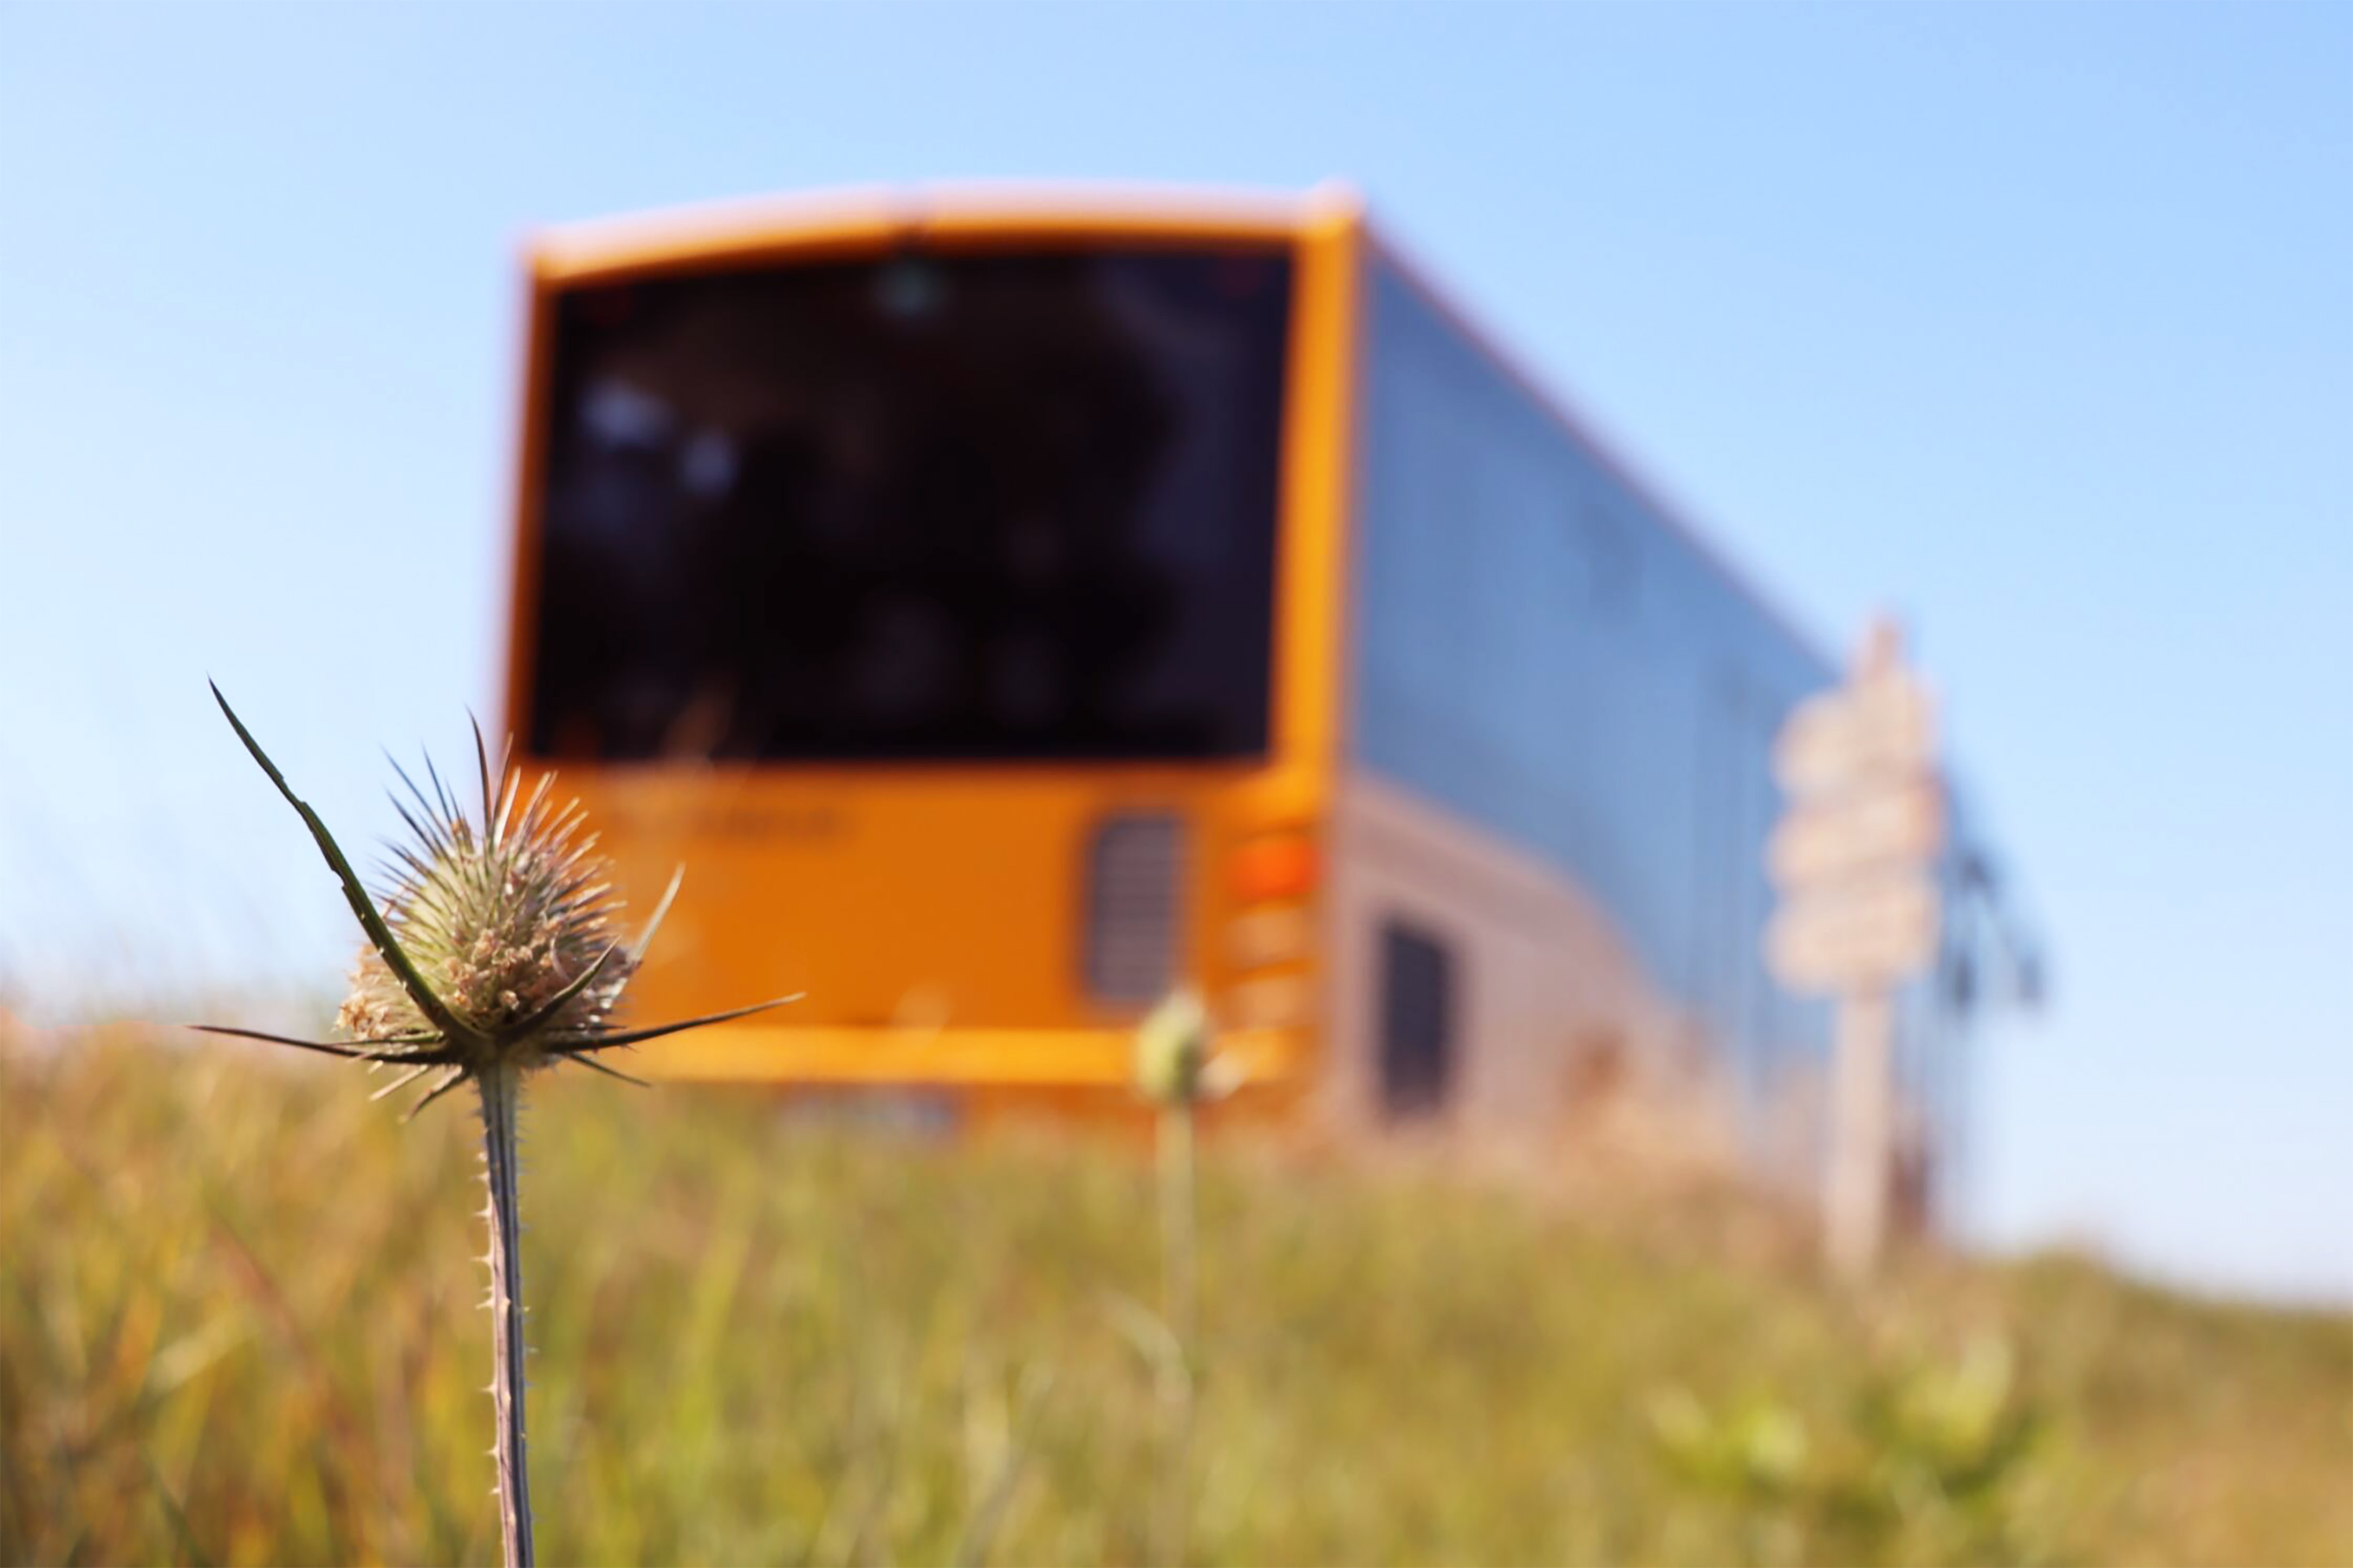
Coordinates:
(976,1058)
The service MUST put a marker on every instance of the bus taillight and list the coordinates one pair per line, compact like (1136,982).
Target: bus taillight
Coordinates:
(1271,867)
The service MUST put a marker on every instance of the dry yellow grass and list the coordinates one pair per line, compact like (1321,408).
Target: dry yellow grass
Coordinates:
(237,1325)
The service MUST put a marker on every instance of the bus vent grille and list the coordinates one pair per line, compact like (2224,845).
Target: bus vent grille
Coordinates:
(1135,868)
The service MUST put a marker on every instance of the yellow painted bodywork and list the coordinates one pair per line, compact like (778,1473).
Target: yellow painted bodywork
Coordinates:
(932,915)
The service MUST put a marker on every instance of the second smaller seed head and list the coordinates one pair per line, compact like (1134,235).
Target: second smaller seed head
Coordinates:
(1176,1061)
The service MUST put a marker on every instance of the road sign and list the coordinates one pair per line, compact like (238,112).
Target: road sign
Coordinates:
(1882,725)
(1866,818)
(1870,933)
(1860,913)
(1893,824)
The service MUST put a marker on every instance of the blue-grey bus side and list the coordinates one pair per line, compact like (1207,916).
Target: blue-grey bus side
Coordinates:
(1541,651)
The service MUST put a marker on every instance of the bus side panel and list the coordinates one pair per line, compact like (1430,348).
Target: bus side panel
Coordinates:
(1546,1025)
(1539,652)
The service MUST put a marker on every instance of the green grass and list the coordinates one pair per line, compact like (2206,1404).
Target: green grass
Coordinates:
(239,1322)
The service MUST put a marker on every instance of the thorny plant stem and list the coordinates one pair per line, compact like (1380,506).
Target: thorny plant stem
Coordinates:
(502,1090)
(1180,1310)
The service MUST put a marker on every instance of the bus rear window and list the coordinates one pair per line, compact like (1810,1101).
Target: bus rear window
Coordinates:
(929,507)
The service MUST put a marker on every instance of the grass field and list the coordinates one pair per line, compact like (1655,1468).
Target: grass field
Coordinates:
(239,1322)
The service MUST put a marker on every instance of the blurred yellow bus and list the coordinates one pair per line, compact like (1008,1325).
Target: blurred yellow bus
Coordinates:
(1010,605)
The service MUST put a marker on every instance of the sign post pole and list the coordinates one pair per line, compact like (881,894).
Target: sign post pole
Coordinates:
(1854,1202)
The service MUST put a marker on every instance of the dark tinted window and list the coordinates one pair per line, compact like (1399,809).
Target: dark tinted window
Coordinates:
(1417,1021)
(952,506)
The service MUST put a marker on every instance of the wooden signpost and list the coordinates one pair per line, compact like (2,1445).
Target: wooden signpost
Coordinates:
(1853,859)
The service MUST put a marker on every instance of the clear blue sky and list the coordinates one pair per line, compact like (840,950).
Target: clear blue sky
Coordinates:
(2035,321)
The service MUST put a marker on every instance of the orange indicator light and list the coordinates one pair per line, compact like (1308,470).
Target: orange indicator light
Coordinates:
(1273,867)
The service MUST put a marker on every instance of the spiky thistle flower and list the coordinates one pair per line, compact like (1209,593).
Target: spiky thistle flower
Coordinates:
(496,943)
(492,955)
(511,924)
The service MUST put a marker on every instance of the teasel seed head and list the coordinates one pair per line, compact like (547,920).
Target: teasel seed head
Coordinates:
(497,943)
(501,920)
(1175,1061)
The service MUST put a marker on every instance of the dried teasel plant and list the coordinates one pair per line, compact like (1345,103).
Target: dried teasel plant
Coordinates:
(1175,1068)
(491,956)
